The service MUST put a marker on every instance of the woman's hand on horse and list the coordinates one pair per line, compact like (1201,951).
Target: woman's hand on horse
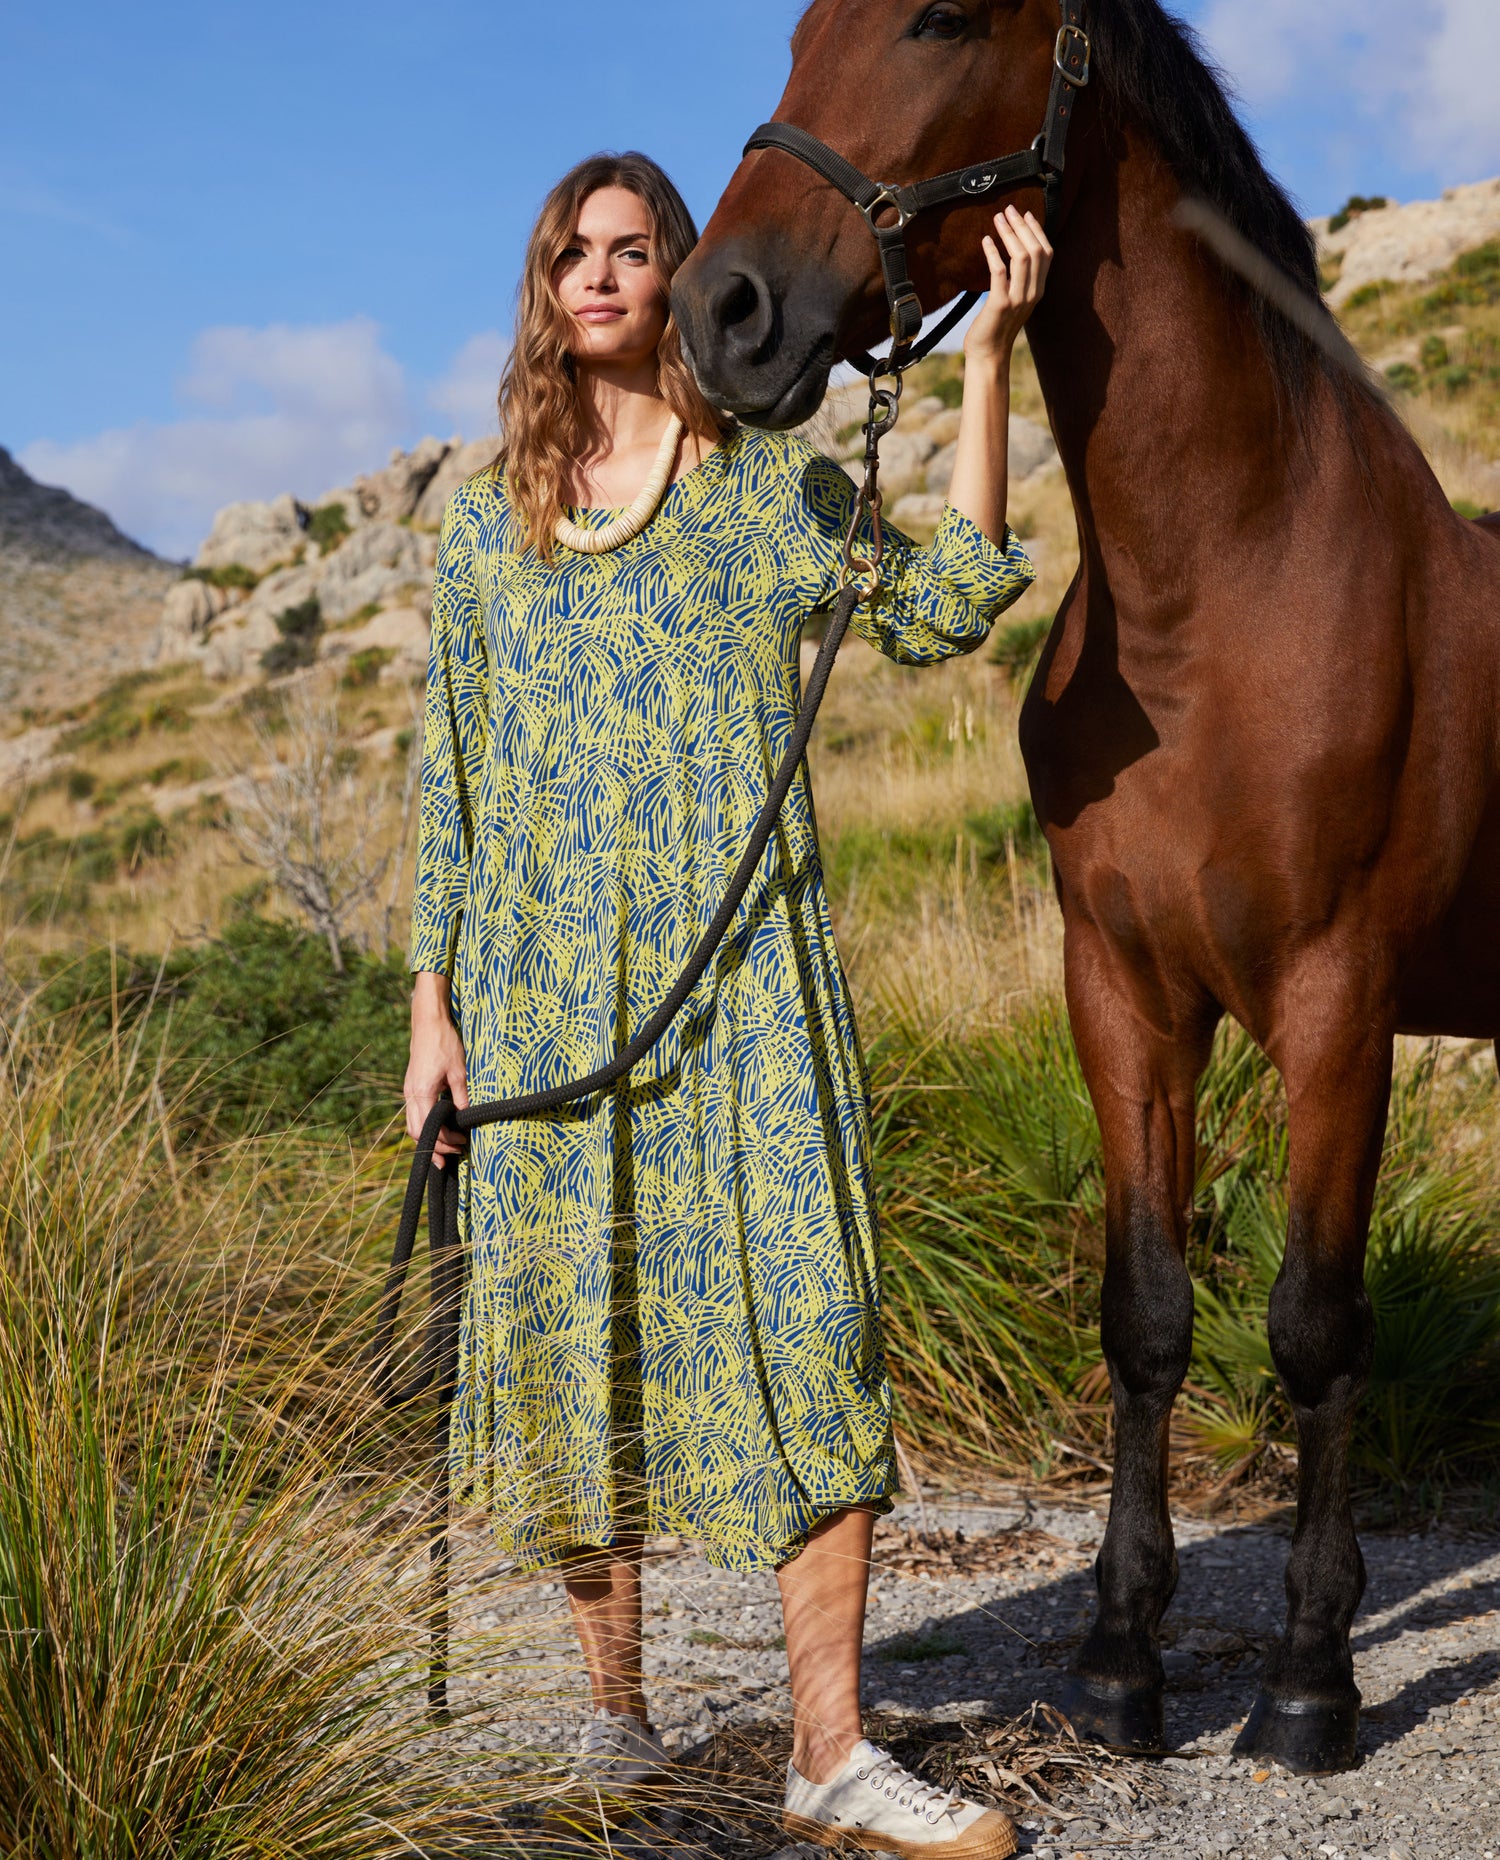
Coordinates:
(1017,279)
(436,1064)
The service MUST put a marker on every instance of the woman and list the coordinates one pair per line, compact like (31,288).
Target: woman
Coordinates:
(672,1317)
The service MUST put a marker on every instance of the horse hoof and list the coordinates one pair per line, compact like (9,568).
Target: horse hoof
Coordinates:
(1306,1736)
(1121,1717)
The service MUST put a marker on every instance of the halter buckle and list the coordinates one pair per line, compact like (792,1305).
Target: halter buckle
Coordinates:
(1062,51)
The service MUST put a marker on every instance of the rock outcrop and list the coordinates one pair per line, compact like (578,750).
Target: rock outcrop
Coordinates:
(1410,244)
(351,572)
(254,536)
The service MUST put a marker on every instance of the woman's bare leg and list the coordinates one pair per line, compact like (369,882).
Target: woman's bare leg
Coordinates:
(604,1593)
(823,1592)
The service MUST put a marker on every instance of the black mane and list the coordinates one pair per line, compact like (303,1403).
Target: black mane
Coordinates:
(1153,72)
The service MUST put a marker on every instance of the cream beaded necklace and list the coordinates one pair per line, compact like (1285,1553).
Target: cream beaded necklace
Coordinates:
(632,521)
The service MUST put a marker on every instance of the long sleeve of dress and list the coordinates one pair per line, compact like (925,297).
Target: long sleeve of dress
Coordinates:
(455,735)
(934,602)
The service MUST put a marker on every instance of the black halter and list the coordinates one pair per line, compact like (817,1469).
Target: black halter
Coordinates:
(1041,164)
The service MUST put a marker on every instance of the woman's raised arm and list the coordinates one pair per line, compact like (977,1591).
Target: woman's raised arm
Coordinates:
(981,471)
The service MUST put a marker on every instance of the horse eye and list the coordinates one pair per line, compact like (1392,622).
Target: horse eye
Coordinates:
(941,22)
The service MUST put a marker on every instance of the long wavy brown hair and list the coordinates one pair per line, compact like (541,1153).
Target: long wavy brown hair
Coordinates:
(542,418)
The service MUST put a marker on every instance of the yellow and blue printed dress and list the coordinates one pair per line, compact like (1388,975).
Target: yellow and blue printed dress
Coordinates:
(672,1319)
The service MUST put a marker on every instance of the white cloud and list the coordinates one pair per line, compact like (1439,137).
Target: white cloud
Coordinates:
(467,392)
(291,410)
(274,409)
(1418,68)
(1452,108)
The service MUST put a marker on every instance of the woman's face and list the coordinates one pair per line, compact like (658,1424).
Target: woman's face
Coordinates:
(605,281)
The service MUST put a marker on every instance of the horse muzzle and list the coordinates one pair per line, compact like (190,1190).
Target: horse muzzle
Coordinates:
(761,346)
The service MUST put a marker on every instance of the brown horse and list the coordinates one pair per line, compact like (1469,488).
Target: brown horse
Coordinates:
(1263,738)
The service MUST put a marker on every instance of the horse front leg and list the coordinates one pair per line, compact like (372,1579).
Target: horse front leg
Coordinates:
(1142,1076)
(1306,1715)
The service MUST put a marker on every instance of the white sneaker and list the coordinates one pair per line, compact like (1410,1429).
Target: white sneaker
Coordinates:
(619,1758)
(618,1751)
(876,1805)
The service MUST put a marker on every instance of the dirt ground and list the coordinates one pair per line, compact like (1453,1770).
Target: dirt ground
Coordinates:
(974,1611)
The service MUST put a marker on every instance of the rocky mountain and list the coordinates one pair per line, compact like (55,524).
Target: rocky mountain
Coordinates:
(46,524)
(77,597)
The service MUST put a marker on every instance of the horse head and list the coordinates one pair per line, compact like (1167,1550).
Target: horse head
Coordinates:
(786,280)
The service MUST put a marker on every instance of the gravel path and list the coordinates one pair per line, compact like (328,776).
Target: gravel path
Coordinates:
(962,1634)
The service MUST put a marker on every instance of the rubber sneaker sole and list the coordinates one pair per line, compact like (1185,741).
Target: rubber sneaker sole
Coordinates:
(992,1837)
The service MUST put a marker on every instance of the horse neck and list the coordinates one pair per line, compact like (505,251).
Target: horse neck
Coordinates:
(1162,397)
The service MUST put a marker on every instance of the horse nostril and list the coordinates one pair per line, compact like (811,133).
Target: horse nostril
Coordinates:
(743,314)
(738,302)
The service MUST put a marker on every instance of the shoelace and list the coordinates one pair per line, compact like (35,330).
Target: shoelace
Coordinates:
(908,1791)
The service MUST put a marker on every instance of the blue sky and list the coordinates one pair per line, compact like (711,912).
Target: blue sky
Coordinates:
(249,248)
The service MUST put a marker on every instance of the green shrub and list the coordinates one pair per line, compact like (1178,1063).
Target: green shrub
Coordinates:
(119,716)
(364,667)
(1016,646)
(264,708)
(328,525)
(48,876)
(1355,204)
(300,628)
(1368,294)
(1403,377)
(81,784)
(1455,380)
(1434,353)
(1011,827)
(256,1022)
(1473,279)
(949,390)
(1466,507)
(228,575)
(141,836)
(168,713)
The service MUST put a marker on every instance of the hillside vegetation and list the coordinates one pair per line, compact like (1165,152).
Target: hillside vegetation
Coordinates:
(1437,345)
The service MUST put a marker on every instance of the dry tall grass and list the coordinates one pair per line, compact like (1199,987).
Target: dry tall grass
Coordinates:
(211,1556)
